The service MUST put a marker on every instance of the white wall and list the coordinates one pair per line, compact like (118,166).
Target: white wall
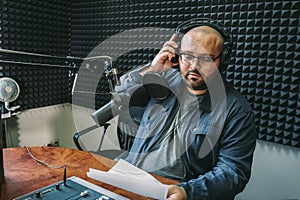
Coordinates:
(275,174)
(41,126)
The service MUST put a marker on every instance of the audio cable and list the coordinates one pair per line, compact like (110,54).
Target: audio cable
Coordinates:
(48,165)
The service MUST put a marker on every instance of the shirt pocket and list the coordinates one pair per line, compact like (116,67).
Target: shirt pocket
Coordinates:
(203,125)
(206,127)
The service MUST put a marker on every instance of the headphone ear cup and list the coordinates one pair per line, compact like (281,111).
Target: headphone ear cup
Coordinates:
(225,57)
(223,60)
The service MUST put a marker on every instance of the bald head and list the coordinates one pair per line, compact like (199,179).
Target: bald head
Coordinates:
(206,30)
(212,37)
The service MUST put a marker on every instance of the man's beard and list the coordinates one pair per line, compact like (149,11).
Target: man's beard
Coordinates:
(195,84)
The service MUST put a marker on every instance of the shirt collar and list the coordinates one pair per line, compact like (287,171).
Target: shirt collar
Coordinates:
(201,101)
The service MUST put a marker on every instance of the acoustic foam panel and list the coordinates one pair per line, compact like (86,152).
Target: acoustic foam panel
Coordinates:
(41,27)
(264,65)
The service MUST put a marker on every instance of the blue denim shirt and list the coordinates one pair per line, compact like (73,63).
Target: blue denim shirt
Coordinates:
(215,158)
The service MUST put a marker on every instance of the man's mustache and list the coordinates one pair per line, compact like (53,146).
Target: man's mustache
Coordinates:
(192,72)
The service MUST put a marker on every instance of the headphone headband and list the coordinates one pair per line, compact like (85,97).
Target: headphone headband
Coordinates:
(184,27)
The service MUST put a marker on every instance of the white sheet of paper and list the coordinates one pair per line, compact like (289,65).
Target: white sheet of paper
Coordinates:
(128,177)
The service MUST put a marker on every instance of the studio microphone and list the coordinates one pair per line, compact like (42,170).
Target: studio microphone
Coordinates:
(121,102)
(153,85)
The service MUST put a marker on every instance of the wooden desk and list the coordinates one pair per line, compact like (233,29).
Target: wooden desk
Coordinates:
(22,174)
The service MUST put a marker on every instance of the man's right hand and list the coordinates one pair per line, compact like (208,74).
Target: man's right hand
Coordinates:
(176,193)
(163,60)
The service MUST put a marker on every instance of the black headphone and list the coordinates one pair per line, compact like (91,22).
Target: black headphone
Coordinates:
(192,23)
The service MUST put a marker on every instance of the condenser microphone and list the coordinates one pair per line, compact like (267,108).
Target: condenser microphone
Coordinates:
(121,102)
(105,113)
(153,85)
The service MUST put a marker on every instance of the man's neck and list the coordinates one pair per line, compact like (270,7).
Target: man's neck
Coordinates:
(197,92)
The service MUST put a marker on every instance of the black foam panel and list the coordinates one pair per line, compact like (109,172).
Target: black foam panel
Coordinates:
(40,27)
(264,65)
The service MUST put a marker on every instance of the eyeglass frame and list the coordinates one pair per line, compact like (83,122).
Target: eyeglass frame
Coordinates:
(199,58)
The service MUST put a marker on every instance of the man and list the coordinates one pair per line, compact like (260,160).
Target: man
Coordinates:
(202,134)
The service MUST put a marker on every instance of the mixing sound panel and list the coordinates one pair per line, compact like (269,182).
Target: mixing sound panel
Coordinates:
(75,188)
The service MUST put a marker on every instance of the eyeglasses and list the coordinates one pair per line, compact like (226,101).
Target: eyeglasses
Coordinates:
(202,60)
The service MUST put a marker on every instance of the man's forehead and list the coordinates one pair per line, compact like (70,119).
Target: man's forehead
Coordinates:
(207,36)
(199,37)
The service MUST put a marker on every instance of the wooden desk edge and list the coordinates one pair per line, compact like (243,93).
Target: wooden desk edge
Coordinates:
(36,176)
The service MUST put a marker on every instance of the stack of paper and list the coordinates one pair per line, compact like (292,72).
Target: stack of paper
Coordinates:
(128,177)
